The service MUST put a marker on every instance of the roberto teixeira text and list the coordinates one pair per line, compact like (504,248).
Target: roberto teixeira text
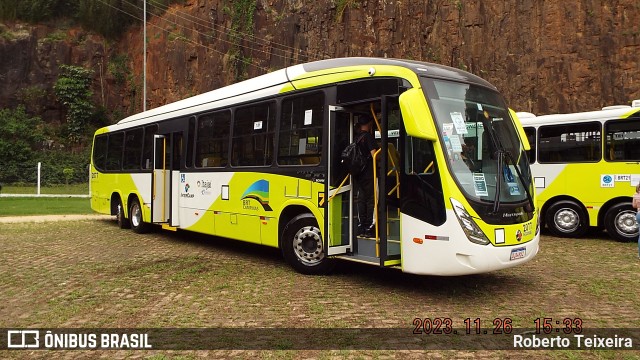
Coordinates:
(533,341)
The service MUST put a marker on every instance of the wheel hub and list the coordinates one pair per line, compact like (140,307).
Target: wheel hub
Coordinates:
(136,215)
(626,223)
(567,220)
(307,245)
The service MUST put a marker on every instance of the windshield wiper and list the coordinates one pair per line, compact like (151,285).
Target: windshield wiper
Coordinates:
(501,153)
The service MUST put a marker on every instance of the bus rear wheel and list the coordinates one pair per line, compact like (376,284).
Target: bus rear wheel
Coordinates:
(135,217)
(303,248)
(123,222)
(566,219)
(620,222)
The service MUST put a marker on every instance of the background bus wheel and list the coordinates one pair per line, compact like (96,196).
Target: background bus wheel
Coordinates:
(302,246)
(123,222)
(135,217)
(566,219)
(620,222)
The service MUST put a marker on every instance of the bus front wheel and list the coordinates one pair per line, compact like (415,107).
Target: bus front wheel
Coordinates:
(135,217)
(123,222)
(566,219)
(303,248)
(620,222)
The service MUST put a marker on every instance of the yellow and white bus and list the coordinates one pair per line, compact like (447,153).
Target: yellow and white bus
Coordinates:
(259,161)
(585,168)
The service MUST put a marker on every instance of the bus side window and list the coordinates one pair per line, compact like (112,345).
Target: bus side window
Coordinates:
(301,121)
(531,136)
(147,149)
(420,158)
(623,140)
(114,151)
(253,133)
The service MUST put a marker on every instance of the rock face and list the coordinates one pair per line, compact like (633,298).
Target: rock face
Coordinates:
(544,56)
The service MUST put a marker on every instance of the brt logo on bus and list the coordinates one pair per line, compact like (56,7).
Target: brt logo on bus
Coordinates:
(258,191)
(607,181)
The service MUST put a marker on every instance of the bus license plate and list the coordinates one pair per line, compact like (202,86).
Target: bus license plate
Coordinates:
(518,253)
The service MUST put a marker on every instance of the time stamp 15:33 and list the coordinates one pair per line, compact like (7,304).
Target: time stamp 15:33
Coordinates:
(445,325)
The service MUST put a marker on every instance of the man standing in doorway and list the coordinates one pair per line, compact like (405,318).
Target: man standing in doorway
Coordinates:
(364,182)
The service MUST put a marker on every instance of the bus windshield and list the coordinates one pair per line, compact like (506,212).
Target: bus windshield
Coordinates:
(481,145)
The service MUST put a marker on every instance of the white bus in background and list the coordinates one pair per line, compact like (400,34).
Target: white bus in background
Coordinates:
(585,167)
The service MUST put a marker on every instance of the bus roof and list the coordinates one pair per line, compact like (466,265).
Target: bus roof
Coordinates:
(528,119)
(271,83)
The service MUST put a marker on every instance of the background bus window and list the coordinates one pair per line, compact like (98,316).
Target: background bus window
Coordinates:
(212,143)
(253,128)
(531,136)
(100,152)
(114,151)
(132,149)
(569,143)
(190,142)
(300,136)
(147,149)
(622,140)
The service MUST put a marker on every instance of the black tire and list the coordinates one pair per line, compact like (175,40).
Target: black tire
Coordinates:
(123,222)
(620,222)
(135,217)
(566,219)
(302,246)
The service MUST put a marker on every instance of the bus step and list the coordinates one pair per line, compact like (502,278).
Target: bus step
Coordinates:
(169,227)
(367,247)
(361,258)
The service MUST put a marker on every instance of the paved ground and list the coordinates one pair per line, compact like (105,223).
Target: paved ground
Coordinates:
(45,218)
(91,274)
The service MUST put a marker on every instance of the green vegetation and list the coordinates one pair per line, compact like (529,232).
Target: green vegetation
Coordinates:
(342,5)
(22,146)
(21,135)
(242,25)
(73,88)
(13,206)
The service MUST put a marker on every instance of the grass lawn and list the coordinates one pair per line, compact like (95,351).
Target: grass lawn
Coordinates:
(72,189)
(10,206)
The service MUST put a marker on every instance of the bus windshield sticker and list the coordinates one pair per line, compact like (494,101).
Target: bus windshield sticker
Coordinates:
(455,143)
(257,125)
(480,185)
(307,117)
(513,188)
(447,143)
(458,122)
(479,106)
(447,128)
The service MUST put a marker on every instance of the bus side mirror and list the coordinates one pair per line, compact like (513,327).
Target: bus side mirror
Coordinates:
(523,135)
(417,117)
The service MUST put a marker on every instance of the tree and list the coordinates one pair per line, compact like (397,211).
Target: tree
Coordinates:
(73,89)
(21,136)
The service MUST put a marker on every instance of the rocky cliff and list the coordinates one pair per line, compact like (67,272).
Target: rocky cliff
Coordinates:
(545,56)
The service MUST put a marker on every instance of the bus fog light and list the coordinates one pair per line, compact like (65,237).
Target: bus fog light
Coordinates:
(471,229)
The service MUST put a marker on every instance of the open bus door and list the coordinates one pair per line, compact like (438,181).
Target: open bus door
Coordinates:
(161,181)
(339,224)
(342,218)
(166,175)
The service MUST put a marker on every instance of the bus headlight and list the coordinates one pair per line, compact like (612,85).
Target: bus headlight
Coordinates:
(471,229)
